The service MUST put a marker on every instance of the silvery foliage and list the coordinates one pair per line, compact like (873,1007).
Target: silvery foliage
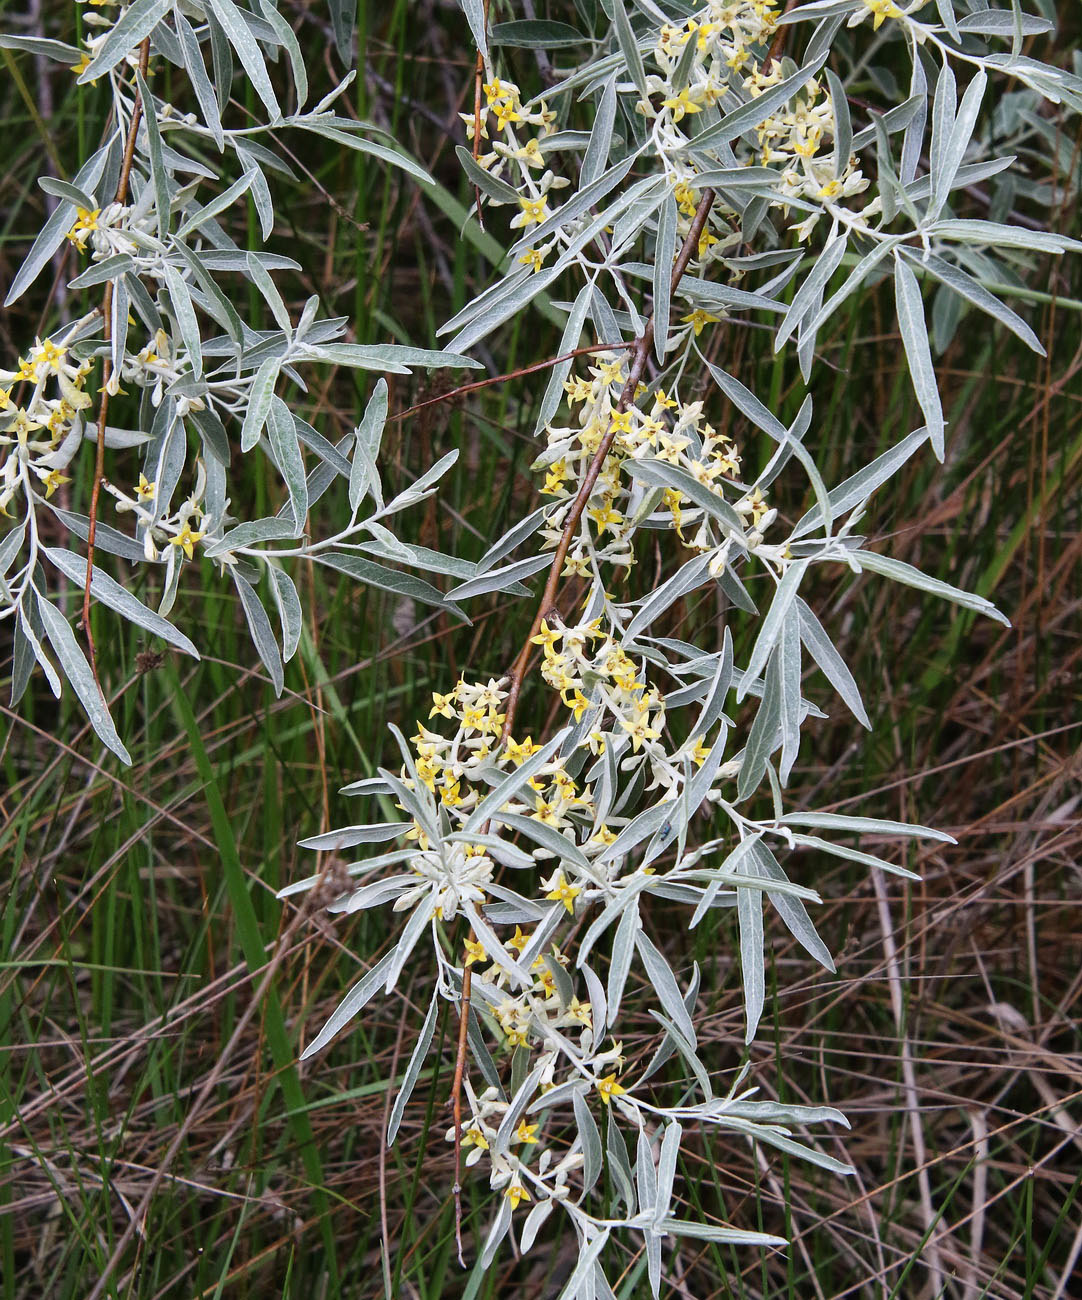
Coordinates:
(206,382)
(576,840)
(609,801)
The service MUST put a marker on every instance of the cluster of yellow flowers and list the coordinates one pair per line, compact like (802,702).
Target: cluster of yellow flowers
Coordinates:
(41,429)
(731,45)
(503,108)
(662,429)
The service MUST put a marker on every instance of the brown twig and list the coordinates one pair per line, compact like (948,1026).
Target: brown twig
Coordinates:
(641,352)
(456,1099)
(478,78)
(107,364)
(777,46)
(512,374)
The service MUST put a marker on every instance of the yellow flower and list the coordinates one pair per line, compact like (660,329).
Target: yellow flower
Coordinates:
(555,478)
(608,1088)
(533,257)
(682,105)
(494,90)
(442,705)
(516,1194)
(86,223)
(145,490)
(578,704)
(505,113)
(882,9)
(698,319)
(473,1137)
(518,940)
(547,636)
(49,353)
(525,1133)
(519,753)
(475,951)
(52,481)
(562,892)
(186,540)
(534,211)
(578,389)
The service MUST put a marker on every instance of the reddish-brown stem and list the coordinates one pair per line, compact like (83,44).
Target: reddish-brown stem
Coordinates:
(512,374)
(107,364)
(640,353)
(478,78)
(456,1098)
(777,46)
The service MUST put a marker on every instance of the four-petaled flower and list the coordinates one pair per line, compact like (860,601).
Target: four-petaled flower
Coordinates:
(562,892)
(186,540)
(608,1087)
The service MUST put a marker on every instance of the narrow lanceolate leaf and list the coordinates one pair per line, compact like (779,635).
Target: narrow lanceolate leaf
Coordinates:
(863,483)
(834,668)
(351,1006)
(500,579)
(661,977)
(138,21)
(772,624)
(262,634)
(918,350)
(286,449)
(378,575)
(240,37)
(629,46)
(956,145)
(259,403)
(664,253)
(973,291)
(363,475)
(289,611)
(906,573)
(749,912)
(79,674)
(597,151)
(417,1059)
(475,16)
(118,598)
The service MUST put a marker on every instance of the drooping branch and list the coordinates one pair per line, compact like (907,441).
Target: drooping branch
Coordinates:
(107,363)
(640,352)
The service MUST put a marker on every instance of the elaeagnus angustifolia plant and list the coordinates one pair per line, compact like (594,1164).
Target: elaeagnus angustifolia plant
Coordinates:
(690,167)
(142,214)
(564,817)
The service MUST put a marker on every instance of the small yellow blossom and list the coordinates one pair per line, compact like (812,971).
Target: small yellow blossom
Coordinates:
(473,1137)
(699,319)
(882,9)
(516,1194)
(608,1088)
(475,951)
(534,257)
(534,211)
(86,224)
(562,892)
(525,1133)
(681,105)
(186,540)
